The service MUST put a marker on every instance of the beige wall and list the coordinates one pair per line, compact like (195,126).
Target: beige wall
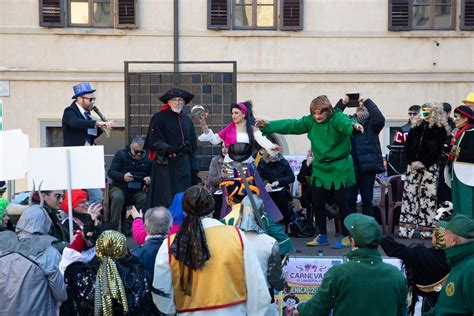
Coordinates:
(339,51)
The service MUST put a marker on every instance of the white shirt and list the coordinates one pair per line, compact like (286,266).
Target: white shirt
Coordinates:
(258,297)
(241,137)
(90,131)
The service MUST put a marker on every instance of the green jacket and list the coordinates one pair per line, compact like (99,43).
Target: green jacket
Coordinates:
(330,144)
(363,286)
(57,231)
(457,296)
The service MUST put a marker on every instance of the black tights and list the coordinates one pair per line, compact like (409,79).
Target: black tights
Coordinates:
(318,195)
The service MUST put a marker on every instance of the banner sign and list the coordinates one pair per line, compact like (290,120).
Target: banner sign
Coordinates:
(295,162)
(304,276)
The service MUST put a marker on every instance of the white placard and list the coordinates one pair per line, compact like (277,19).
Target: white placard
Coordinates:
(49,165)
(465,172)
(397,263)
(13,151)
(295,162)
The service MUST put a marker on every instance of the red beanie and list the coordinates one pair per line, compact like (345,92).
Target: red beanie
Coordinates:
(77,197)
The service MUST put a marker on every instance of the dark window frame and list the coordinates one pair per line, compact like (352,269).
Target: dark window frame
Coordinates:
(467,15)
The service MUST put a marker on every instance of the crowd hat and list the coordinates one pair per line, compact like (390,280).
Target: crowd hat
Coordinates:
(470,98)
(77,197)
(460,225)
(81,89)
(466,111)
(177,93)
(364,229)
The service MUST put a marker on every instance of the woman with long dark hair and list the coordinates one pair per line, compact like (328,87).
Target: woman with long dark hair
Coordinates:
(242,130)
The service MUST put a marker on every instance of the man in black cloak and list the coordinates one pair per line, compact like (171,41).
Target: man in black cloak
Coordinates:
(171,140)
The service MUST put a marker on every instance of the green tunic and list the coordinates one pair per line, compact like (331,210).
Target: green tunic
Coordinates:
(457,295)
(363,286)
(330,144)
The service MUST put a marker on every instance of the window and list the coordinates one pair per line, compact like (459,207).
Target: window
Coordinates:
(433,14)
(93,13)
(407,15)
(255,14)
(89,13)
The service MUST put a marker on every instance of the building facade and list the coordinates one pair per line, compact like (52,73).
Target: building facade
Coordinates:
(397,52)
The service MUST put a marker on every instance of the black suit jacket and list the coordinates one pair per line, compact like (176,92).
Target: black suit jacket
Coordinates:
(75,126)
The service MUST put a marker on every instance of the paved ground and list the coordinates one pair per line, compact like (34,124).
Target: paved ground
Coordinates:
(302,249)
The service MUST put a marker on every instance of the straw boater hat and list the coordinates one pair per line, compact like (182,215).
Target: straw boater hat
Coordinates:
(470,98)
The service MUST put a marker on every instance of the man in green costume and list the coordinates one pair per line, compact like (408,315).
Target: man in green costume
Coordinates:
(457,294)
(364,285)
(329,131)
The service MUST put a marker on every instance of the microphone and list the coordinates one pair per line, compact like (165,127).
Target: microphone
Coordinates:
(96,110)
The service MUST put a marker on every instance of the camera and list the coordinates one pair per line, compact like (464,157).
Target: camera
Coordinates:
(136,184)
(353,100)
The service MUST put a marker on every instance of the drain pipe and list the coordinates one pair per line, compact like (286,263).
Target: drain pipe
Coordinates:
(176,36)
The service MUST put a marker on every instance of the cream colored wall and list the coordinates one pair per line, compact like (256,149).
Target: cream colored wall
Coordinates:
(345,47)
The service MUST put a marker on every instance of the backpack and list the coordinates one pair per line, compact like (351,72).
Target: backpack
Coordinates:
(302,227)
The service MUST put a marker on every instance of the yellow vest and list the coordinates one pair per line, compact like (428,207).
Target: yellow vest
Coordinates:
(221,282)
(233,216)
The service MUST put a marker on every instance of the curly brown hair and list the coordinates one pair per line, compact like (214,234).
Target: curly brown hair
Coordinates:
(436,117)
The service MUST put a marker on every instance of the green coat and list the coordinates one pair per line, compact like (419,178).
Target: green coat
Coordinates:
(457,295)
(363,286)
(330,144)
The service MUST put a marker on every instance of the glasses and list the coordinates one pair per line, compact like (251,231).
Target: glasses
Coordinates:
(90,99)
(138,152)
(412,113)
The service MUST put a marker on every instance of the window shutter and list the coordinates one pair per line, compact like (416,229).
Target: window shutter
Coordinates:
(399,15)
(126,14)
(291,15)
(51,13)
(218,14)
(467,15)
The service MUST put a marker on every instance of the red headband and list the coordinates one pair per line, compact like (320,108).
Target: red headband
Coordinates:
(243,108)
(469,116)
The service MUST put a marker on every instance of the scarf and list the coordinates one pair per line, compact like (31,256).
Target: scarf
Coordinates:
(229,133)
(461,131)
(362,117)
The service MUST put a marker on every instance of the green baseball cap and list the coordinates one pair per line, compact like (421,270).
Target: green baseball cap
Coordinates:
(460,225)
(364,229)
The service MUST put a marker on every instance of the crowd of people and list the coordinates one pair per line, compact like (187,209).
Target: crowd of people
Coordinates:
(216,248)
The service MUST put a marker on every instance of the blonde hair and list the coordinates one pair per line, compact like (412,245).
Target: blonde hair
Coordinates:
(436,117)
(321,104)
